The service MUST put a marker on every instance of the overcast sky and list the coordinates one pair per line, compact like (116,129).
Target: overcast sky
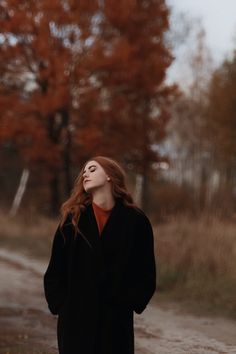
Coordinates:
(218,19)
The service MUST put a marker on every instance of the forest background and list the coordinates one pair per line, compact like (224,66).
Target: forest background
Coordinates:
(86,78)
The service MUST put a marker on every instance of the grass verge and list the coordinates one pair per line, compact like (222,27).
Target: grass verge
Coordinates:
(196,258)
(196,263)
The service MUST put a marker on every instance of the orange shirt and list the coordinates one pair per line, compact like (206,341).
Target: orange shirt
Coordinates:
(101,216)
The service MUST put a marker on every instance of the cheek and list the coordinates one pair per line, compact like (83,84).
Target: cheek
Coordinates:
(100,178)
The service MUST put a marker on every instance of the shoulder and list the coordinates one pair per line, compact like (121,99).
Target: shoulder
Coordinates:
(64,230)
(66,223)
(138,215)
(141,228)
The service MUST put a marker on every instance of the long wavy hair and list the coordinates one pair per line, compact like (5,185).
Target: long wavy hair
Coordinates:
(79,198)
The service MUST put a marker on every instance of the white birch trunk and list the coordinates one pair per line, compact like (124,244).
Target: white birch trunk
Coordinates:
(138,189)
(20,192)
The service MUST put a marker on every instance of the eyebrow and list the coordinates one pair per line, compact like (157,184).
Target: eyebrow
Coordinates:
(90,167)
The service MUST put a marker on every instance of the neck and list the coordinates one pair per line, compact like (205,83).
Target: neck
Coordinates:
(104,200)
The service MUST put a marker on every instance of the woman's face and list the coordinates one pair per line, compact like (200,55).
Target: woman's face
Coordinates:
(94,176)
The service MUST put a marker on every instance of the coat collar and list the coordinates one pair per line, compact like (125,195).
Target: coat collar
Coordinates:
(88,224)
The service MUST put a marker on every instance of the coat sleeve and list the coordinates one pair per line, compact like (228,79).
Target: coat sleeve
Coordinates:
(139,278)
(55,275)
(143,276)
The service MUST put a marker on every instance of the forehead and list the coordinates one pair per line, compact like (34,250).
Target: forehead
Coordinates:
(90,163)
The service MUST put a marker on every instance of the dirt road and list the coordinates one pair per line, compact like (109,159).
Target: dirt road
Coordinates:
(26,326)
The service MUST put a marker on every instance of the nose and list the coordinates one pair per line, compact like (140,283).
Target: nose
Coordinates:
(85,175)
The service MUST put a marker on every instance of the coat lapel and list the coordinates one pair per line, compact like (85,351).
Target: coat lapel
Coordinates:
(88,225)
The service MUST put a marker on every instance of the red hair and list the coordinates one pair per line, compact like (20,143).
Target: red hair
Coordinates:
(79,198)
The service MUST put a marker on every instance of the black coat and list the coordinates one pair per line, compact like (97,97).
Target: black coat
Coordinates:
(94,283)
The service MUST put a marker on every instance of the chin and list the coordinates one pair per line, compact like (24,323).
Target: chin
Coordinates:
(88,189)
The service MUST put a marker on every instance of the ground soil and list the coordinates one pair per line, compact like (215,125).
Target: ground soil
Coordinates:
(27,327)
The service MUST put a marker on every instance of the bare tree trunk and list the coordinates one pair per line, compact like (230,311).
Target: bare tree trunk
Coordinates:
(55,199)
(20,192)
(67,152)
(138,189)
(145,193)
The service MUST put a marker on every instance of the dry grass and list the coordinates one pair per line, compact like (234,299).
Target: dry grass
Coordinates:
(30,233)
(197,260)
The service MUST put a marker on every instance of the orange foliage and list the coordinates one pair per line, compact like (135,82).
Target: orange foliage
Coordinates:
(85,71)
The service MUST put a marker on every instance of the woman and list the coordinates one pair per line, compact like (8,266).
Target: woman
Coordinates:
(102,265)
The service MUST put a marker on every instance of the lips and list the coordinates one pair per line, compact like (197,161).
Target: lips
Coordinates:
(87,180)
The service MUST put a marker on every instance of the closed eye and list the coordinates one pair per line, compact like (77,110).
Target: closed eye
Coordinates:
(91,169)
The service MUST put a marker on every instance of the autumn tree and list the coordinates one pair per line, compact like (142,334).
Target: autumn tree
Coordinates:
(191,152)
(221,119)
(39,41)
(128,60)
(82,78)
